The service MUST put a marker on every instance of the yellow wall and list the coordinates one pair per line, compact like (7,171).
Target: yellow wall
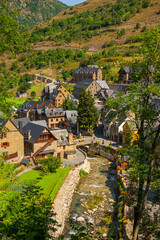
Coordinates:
(15,140)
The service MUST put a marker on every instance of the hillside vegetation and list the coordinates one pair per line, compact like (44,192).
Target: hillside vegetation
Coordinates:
(34,12)
(83,25)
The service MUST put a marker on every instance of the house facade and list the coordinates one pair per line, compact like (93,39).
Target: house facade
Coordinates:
(39,141)
(56,93)
(11,142)
(89,85)
(89,72)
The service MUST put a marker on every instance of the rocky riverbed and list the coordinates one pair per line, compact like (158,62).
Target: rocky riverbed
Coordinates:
(94,201)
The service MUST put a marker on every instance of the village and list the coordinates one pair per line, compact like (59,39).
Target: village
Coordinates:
(43,127)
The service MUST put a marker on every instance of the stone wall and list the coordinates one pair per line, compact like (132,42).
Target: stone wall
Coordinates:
(103,151)
(118,87)
(63,200)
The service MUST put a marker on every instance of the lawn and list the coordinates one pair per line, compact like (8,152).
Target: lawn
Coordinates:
(50,184)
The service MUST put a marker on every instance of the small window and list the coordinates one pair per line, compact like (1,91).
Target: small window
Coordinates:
(64,147)
(5,144)
(51,119)
(56,119)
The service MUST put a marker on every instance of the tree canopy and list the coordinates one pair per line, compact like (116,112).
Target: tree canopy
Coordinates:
(87,112)
(141,100)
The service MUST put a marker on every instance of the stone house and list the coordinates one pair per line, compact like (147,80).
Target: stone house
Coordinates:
(66,148)
(34,110)
(25,108)
(107,122)
(116,129)
(38,112)
(89,72)
(57,93)
(89,85)
(125,75)
(55,118)
(11,141)
(39,141)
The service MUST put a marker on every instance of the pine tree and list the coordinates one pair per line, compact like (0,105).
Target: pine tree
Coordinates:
(87,112)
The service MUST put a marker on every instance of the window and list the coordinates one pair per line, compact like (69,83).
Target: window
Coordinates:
(51,119)
(64,147)
(3,135)
(56,119)
(61,119)
(5,144)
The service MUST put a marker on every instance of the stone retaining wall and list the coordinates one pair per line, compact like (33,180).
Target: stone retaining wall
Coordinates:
(63,200)
(101,150)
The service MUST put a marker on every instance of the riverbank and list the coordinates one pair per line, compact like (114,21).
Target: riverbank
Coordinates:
(63,199)
(94,200)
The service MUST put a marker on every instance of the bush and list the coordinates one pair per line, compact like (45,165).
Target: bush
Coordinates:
(137,25)
(83,174)
(49,164)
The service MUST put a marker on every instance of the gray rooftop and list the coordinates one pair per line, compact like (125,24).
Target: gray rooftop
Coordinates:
(84,83)
(103,84)
(71,116)
(61,135)
(41,123)
(35,131)
(56,112)
(22,121)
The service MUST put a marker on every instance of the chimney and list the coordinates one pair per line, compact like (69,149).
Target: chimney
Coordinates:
(28,134)
(70,138)
(20,125)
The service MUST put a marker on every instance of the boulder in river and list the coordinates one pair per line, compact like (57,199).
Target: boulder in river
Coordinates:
(80,219)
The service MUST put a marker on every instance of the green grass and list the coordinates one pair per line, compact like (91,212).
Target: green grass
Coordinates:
(47,182)
(50,184)
(36,88)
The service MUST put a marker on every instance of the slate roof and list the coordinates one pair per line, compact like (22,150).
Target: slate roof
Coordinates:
(71,116)
(56,112)
(35,131)
(26,106)
(50,88)
(103,84)
(87,70)
(61,135)
(23,121)
(38,104)
(54,93)
(41,123)
(84,83)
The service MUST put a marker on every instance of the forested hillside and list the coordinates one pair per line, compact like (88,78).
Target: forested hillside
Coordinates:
(34,12)
(108,20)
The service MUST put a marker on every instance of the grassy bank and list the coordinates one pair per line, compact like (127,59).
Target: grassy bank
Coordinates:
(11,186)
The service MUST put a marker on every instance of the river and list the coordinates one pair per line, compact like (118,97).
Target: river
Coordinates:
(94,201)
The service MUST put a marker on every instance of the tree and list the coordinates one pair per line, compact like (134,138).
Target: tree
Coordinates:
(69,105)
(28,216)
(143,154)
(33,94)
(87,112)
(10,39)
(49,164)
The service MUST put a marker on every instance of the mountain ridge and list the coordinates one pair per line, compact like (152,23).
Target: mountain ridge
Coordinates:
(32,13)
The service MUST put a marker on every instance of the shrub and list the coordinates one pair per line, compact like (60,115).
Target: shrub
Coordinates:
(137,25)
(83,173)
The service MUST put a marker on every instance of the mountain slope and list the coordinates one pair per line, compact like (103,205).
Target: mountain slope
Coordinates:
(96,21)
(34,12)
